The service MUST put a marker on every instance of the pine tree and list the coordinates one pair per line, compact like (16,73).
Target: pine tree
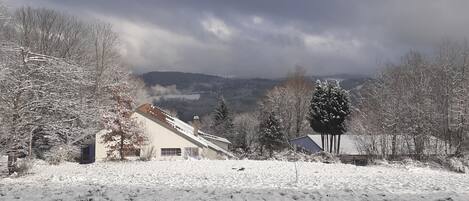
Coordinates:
(330,106)
(222,124)
(271,136)
(125,134)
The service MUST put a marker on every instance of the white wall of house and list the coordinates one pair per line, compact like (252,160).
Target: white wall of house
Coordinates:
(160,137)
(212,154)
(100,149)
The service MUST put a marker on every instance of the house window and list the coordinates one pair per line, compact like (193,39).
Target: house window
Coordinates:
(170,152)
(192,152)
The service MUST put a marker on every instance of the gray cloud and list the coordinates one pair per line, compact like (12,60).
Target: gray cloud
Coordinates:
(266,38)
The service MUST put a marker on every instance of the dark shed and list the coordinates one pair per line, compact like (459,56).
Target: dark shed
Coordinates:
(87,154)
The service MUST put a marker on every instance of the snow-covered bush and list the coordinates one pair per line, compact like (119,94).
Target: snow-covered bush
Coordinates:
(293,156)
(60,154)
(22,167)
(148,154)
(457,165)
(381,162)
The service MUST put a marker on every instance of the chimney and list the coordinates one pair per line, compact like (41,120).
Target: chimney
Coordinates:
(196,125)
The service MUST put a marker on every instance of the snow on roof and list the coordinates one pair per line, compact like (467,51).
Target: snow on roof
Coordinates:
(163,117)
(348,144)
(182,127)
(216,147)
(213,137)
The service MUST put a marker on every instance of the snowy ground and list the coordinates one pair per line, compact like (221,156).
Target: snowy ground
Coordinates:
(223,180)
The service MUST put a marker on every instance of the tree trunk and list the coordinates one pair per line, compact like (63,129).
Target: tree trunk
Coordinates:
(393,146)
(338,145)
(334,138)
(30,151)
(121,150)
(327,143)
(12,162)
(322,140)
(331,144)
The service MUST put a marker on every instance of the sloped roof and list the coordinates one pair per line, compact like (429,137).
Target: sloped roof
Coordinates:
(213,137)
(180,127)
(306,143)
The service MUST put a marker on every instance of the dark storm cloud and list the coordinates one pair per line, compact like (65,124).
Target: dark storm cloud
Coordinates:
(268,38)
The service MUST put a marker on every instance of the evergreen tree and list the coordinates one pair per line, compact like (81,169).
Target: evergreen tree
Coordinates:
(330,106)
(125,134)
(222,124)
(271,136)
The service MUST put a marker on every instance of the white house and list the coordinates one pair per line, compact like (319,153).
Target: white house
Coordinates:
(171,138)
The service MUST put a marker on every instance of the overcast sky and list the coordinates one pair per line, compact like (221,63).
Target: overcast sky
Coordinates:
(268,38)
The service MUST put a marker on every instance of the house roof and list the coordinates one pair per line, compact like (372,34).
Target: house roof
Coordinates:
(213,137)
(180,127)
(306,143)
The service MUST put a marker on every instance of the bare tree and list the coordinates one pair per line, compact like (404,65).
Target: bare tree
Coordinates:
(300,89)
(104,52)
(290,101)
(246,127)
(49,32)
(416,105)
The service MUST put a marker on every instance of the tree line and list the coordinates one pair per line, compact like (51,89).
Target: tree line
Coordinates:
(418,107)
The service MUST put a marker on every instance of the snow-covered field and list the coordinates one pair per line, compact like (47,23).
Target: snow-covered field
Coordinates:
(233,180)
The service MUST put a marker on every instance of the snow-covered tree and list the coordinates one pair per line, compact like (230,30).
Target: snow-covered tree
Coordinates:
(124,134)
(246,127)
(330,107)
(39,94)
(418,106)
(53,69)
(271,137)
(222,124)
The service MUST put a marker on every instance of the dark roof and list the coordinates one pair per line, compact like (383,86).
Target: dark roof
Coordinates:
(306,143)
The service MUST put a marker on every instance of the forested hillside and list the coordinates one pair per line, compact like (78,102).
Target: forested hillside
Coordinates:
(241,93)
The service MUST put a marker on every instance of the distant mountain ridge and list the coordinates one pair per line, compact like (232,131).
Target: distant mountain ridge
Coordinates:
(166,78)
(242,94)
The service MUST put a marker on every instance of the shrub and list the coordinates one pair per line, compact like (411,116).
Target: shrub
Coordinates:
(60,154)
(148,154)
(293,156)
(456,165)
(22,167)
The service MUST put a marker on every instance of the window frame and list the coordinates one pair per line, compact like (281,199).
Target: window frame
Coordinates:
(165,152)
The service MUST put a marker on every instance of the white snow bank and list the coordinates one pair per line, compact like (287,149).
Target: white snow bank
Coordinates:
(233,180)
